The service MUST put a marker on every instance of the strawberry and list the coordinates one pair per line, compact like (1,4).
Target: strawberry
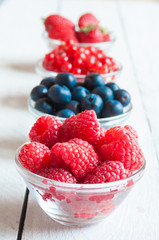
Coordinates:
(89,35)
(60,28)
(87,19)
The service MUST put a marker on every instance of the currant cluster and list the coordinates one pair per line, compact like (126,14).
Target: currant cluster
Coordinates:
(79,60)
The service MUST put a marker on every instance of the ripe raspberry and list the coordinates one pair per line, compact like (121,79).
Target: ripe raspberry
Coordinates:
(108,171)
(34,156)
(84,126)
(57,174)
(126,151)
(87,19)
(46,131)
(77,156)
(98,142)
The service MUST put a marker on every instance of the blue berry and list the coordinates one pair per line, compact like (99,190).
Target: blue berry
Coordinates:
(74,106)
(79,93)
(112,108)
(38,92)
(123,96)
(92,101)
(59,94)
(65,113)
(48,82)
(43,105)
(93,80)
(66,79)
(113,86)
(81,84)
(105,92)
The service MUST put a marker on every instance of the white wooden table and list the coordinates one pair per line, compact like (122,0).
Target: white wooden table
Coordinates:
(137,47)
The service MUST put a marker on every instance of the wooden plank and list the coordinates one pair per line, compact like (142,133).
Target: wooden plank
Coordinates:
(21,45)
(137,217)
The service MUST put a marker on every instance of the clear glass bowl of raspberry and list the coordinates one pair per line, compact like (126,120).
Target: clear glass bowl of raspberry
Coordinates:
(79,61)
(104,122)
(105,45)
(77,204)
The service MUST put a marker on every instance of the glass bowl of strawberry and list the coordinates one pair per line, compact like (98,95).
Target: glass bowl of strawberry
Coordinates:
(79,61)
(78,172)
(88,32)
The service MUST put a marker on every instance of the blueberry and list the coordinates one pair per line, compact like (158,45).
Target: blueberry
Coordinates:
(92,101)
(38,92)
(93,80)
(48,82)
(113,86)
(74,106)
(65,113)
(43,105)
(112,108)
(59,94)
(81,84)
(66,79)
(79,93)
(105,92)
(123,96)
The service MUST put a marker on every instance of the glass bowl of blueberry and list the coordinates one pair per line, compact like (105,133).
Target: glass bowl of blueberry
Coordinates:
(79,181)
(64,97)
(79,61)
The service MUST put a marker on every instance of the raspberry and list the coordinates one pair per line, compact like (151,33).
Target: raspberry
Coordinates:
(121,144)
(57,174)
(46,131)
(34,156)
(84,126)
(76,155)
(98,142)
(108,171)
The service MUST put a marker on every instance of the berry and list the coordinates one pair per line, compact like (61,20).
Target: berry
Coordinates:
(66,79)
(94,80)
(92,101)
(104,92)
(84,126)
(34,156)
(108,171)
(112,108)
(123,96)
(38,92)
(77,156)
(48,82)
(74,106)
(59,94)
(59,28)
(122,145)
(65,113)
(46,130)
(106,37)
(113,86)
(87,19)
(79,93)
(57,174)
(44,105)
(89,35)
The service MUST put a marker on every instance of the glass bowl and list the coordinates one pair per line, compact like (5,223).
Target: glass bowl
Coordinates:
(106,46)
(104,122)
(109,77)
(77,204)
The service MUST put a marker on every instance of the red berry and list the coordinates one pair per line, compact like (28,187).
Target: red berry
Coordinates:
(57,20)
(34,156)
(76,155)
(46,131)
(121,144)
(108,171)
(57,174)
(90,36)
(83,125)
(87,19)
(106,37)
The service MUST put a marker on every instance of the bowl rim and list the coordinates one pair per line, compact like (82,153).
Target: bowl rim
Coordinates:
(109,185)
(38,113)
(98,44)
(43,72)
